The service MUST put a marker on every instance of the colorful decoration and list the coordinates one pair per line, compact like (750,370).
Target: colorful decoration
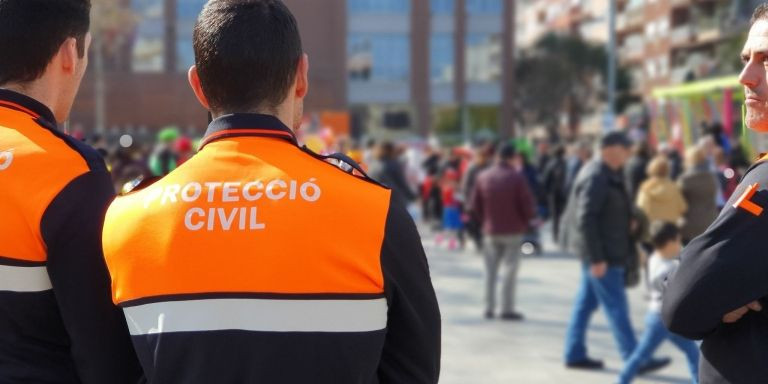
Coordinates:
(680,109)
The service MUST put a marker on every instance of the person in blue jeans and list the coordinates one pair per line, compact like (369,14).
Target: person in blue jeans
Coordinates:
(667,244)
(598,226)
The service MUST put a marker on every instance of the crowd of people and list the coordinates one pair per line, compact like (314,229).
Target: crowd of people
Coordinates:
(627,210)
(224,260)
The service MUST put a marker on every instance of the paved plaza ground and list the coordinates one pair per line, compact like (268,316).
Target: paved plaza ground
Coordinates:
(478,351)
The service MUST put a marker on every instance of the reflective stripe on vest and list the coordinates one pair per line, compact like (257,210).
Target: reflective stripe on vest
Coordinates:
(262,315)
(24,279)
(251,214)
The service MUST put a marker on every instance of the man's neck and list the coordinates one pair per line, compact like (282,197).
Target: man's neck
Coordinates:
(281,115)
(35,91)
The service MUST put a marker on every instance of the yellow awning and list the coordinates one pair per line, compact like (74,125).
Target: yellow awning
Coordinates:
(697,88)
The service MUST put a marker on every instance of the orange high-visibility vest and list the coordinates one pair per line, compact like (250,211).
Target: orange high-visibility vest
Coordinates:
(57,322)
(256,261)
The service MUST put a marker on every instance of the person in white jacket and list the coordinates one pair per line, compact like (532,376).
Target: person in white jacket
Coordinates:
(667,244)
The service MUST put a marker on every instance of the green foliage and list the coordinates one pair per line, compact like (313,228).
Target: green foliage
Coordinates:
(728,54)
(560,74)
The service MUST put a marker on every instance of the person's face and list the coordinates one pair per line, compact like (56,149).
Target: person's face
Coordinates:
(616,156)
(753,76)
(673,248)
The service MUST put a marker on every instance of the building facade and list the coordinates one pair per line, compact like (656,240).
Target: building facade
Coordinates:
(398,67)
(586,18)
(667,42)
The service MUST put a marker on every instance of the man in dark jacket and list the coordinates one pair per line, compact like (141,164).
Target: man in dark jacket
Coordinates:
(599,223)
(388,170)
(504,204)
(721,287)
(635,170)
(555,176)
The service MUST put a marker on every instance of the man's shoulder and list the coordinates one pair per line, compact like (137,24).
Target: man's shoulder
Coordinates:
(91,156)
(484,173)
(591,172)
(758,171)
(43,160)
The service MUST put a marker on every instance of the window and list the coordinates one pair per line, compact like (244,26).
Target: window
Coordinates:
(442,58)
(483,57)
(663,26)
(484,7)
(379,6)
(187,12)
(378,57)
(663,65)
(148,54)
(651,69)
(442,7)
(650,29)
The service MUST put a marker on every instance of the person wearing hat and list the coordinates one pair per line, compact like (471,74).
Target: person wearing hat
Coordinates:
(164,159)
(599,223)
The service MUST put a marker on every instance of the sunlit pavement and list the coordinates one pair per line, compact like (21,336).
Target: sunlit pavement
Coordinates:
(479,351)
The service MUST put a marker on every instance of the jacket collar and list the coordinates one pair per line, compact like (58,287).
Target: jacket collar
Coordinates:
(18,102)
(247,125)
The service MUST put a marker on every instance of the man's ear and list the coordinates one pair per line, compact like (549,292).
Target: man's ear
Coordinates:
(68,56)
(197,88)
(302,77)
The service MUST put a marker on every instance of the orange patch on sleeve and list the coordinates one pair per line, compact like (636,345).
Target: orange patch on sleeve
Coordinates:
(745,201)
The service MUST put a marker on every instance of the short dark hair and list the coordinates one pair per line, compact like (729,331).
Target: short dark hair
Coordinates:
(507,152)
(662,233)
(32,31)
(247,53)
(761,13)
(559,151)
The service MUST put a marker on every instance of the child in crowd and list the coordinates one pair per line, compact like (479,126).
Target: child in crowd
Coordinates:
(451,210)
(667,244)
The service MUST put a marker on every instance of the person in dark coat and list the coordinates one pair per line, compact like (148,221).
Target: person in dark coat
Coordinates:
(387,169)
(635,169)
(599,223)
(555,192)
(700,187)
(582,154)
(719,292)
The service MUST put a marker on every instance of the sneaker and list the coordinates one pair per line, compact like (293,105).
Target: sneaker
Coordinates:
(586,364)
(489,315)
(653,364)
(513,316)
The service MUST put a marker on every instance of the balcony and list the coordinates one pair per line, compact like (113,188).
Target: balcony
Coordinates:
(632,53)
(621,22)
(709,29)
(632,19)
(682,35)
(678,74)
(635,18)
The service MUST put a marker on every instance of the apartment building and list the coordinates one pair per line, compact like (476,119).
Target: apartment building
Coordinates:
(397,67)
(667,42)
